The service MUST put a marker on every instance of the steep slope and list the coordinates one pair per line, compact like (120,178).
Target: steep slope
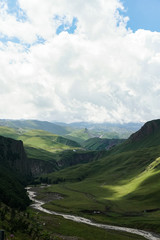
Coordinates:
(39,139)
(122,186)
(48,152)
(147,136)
(101,143)
(12,154)
(35,124)
(80,135)
(14,170)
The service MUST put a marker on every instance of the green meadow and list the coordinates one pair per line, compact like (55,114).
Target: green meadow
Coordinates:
(118,187)
(121,189)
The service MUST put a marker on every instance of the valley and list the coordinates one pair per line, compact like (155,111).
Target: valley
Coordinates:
(116,186)
(39,206)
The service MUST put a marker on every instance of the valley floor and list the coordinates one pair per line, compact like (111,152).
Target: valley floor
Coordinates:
(55,201)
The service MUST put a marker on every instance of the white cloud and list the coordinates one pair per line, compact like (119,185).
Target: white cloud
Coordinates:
(102,72)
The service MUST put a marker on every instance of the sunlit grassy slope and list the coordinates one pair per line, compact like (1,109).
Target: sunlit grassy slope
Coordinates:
(42,145)
(123,185)
(39,139)
(35,124)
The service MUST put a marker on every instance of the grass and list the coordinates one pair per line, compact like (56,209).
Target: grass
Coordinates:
(39,139)
(33,225)
(126,187)
(123,187)
(100,143)
(62,227)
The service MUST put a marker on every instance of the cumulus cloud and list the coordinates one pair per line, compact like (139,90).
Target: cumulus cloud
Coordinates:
(102,72)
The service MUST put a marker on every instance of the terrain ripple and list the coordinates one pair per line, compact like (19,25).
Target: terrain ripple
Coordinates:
(38,205)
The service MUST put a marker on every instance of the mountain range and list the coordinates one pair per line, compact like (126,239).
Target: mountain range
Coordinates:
(113,181)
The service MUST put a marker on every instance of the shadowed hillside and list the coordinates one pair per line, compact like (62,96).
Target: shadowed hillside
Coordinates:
(14,171)
(101,143)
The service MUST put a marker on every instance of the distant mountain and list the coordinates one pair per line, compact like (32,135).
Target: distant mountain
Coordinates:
(103,130)
(80,135)
(101,143)
(129,126)
(35,124)
(77,131)
(147,136)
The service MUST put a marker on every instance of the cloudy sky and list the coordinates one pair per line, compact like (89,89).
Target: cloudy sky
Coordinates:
(80,60)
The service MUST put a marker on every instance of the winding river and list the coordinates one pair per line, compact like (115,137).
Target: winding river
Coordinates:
(38,205)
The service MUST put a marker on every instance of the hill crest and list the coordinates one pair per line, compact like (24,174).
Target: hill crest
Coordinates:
(148,129)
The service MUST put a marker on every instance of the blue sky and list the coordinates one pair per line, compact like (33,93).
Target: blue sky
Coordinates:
(70,28)
(143,14)
(95,70)
(13,8)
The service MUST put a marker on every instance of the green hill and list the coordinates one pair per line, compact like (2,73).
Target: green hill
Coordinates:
(147,136)
(103,130)
(39,139)
(122,187)
(80,135)
(48,152)
(35,124)
(101,143)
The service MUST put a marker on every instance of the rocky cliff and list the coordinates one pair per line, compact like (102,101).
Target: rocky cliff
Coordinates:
(12,155)
(14,173)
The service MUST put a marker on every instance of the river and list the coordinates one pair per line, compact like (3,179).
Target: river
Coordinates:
(38,205)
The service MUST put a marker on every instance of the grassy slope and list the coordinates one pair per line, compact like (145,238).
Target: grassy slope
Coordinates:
(46,146)
(78,135)
(100,143)
(43,141)
(123,185)
(32,225)
(35,124)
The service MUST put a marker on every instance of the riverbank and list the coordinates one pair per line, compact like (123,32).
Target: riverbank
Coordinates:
(144,234)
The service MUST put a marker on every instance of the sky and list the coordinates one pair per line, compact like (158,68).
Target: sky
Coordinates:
(68,61)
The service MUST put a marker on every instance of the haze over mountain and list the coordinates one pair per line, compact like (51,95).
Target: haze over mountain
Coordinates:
(34,124)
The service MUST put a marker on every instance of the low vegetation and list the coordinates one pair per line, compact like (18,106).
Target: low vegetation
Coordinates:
(119,186)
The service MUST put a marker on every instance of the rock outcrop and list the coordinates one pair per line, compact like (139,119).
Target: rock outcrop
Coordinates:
(12,155)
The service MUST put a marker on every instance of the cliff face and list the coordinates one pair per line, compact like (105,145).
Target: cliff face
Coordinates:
(14,172)
(12,154)
(38,167)
(73,158)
